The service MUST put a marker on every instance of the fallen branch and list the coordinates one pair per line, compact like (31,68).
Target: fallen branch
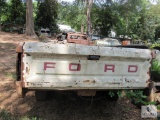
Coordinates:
(6,65)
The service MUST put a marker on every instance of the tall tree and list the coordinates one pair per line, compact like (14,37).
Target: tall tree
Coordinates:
(89,24)
(104,18)
(17,12)
(29,19)
(137,18)
(128,14)
(47,13)
(148,21)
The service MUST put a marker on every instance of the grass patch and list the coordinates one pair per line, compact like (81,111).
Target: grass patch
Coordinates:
(12,76)
(27,118)
(155,66)
(4,115)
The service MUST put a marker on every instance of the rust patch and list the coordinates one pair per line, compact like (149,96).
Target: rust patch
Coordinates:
(77,38)
(153,54)
(22,69)
(89,81)
(19,47)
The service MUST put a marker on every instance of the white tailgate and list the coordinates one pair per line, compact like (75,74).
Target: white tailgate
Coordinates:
(66,66)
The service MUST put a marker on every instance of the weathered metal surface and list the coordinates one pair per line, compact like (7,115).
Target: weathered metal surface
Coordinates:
(19,47)
(66,67)
(153,53)
(78,49)
(77,38)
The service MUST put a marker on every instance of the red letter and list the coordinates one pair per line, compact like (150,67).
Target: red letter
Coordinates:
(132,68)
(74,67)
(49,65)
(109,67)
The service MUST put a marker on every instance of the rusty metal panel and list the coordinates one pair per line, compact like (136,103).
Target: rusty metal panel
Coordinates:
(77,38)
(19,47)
(66,67)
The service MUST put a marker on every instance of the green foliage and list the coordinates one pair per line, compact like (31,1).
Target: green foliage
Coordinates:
(155,66)
(17,12)
(46,15)
(138,19)
(27,118)
(119,93)
(158,107)
(72,14)
(155,44)
(12,76)
(157,33)
(3,7)
(4,115)
(103,18)
(138,97)
(113,93)
(127,16)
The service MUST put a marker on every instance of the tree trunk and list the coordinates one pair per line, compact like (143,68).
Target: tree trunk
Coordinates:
(82,28)
(84,10)
(29,19)
(89,18)
(0,23)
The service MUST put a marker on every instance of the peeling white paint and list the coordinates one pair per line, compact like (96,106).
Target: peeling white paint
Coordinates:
(117,68)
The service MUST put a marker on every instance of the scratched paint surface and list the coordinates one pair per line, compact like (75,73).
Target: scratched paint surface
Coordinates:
(66,66)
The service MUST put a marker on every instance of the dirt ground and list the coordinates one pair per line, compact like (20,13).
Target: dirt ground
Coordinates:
(59,106)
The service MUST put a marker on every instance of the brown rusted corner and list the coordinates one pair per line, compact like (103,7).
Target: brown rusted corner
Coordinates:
(22,68)
(19,47)
(153,54)
(20,91)
(78,38)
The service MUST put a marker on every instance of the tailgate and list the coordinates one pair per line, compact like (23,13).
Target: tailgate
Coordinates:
(69,67)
